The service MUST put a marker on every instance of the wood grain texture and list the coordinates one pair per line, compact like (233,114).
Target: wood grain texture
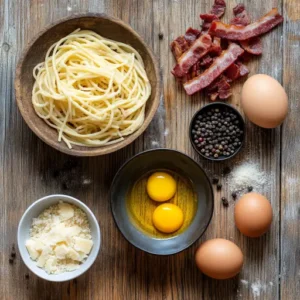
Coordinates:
(290,205)
(29,169)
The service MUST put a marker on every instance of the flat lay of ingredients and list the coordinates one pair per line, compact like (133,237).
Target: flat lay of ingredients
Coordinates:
(171,150)
(93,92)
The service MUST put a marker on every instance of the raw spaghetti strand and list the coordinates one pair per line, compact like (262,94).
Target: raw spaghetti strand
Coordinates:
(92,90)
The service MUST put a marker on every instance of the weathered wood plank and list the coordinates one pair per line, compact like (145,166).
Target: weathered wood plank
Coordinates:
(121,271)
(290,208)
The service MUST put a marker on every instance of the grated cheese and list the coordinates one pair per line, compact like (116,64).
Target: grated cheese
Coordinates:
(60,238)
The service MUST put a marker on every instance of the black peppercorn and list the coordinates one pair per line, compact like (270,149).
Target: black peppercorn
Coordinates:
(224,201)
(250,188)
(215,180)
(160,36)
(234,195)
(219,186)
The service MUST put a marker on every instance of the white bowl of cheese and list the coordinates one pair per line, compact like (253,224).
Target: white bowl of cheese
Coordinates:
(58,238)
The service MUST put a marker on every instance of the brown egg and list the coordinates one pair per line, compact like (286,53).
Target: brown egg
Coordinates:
(264,101)
(253,215)
(219,258)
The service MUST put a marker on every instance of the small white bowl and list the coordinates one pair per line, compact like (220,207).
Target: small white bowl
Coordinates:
(33,211)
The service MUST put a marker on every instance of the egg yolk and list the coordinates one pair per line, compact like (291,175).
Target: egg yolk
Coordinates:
(167,218)
(161,186)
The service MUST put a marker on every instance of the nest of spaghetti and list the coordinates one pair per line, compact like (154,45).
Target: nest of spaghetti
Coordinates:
(92,90)
(212,58)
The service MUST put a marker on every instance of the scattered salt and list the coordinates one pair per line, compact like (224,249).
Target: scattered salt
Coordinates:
(87,181)
(166,132)
(154,143)
(69,8)
(257,287)
(246,174)
(244,282)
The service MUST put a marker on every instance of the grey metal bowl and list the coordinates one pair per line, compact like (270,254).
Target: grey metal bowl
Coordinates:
(153,160)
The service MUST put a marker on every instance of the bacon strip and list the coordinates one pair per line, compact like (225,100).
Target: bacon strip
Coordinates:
(241,16)
(179,46)
(219,88)
(206,61)
(191,35)
(221,63)
(215,13)
(182,43)
(243,69)
(216,48)
(232,72)
(235,71)
(197,50)
(241,33)
(253,46)
(218,8)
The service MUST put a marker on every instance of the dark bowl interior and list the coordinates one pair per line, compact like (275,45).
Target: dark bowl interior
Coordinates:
(219,105)
(144,163)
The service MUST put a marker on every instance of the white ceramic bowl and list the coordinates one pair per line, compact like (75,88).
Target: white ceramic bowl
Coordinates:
(33,211)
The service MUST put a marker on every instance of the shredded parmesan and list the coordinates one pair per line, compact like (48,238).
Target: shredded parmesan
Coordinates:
(54,237)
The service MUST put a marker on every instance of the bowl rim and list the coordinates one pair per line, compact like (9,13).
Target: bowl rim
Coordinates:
(210,188)
(87,210)
(205,107)
(92,151)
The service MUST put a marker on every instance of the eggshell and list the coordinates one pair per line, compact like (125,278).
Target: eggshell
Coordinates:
(219,258)
(264,101)
(253,215)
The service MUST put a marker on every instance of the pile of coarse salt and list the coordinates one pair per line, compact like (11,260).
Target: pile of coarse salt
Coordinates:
(245,175)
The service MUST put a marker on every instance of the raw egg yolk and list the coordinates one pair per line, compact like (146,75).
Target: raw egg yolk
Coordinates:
(167,218)
(161,186)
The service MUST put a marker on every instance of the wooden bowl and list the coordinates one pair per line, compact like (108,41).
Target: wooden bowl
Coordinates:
(35,53)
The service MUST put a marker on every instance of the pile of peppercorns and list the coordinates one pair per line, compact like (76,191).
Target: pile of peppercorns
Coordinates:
(217,132)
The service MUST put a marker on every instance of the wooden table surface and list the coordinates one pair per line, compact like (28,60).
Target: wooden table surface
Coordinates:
(29,169)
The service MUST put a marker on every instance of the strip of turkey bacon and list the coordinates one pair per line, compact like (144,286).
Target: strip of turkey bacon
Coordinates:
(220,64)
(198,49)
(241,33)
